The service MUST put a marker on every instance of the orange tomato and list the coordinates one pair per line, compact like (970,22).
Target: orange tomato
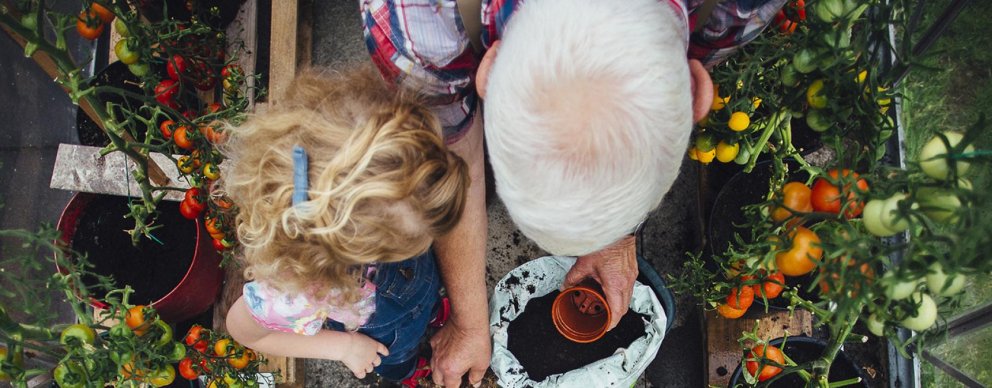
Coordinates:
(181,137)
(135,319)
(239,362)
(105,15)
(166,128)
(221,347)
(802,256)
(729,312)
(826,196)
(740,298)
(770,356)
(795,197)
(771,287)
(88,25)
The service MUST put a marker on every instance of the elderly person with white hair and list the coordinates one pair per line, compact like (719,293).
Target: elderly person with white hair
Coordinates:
(588,111)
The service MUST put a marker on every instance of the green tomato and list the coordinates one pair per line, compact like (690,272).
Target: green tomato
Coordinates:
(18,361)
(872,218)
(943,284)
(743,155)
(817,121)
(898,289)
(121,331)
(890,216)
(705,142)
(139,69)
(124,52)
(166,333)
(29,21)
(815,96)
(68,374)
(875,325)
(178,351)
(77,334)
(121,27)
(926,313)
(829,11)
(804,61)
(933,160)
(838,39)
(788,76)
(164,376)
(938,204)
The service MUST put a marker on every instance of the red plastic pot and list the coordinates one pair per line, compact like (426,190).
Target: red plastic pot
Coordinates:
(580,313)
(200,283)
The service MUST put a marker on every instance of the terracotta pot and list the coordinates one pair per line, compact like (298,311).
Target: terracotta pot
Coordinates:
(580,313)
(183,274)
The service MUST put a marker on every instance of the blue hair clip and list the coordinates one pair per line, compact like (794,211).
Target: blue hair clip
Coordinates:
(301,181)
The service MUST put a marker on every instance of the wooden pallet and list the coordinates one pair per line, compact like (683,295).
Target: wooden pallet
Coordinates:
(724,352)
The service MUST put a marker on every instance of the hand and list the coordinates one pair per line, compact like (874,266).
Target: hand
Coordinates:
(459,350)
(363,354)
(615,268)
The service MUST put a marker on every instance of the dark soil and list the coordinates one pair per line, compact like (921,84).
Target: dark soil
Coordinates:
(543,352)
(151,269)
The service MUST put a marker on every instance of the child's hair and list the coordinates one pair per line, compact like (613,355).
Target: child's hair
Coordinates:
(382,183)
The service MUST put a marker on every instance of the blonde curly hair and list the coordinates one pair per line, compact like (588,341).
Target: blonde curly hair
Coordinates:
(382,183)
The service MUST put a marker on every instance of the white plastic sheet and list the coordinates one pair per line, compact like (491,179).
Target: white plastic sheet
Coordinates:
(540,277)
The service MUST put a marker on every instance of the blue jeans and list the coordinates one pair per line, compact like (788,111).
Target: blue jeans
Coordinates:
(406,299)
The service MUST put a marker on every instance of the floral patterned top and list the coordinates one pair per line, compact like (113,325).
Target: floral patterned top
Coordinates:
(301,314)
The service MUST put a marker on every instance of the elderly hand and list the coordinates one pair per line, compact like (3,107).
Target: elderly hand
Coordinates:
(459,350)
(615,268)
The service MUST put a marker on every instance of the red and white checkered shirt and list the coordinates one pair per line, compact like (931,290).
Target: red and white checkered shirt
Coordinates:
(422,44)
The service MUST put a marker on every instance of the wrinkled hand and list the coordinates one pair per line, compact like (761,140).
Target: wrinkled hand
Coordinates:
(457,351)
(363,354)
(615,268)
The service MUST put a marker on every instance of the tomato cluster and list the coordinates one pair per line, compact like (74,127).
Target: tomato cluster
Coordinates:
(220,358)
(733,117)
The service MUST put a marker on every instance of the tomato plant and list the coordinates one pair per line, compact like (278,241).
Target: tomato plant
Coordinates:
(826,195)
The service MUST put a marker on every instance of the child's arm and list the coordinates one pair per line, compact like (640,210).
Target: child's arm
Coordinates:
(357,351)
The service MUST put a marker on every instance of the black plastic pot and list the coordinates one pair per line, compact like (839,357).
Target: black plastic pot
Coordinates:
(216,13)
(117,75)
(802,350)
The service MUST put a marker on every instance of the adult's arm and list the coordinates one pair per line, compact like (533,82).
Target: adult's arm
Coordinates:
(463,345)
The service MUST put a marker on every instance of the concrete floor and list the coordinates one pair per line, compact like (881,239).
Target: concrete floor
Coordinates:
(670,231)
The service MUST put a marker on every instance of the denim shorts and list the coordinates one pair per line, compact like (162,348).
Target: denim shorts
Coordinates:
(407,293)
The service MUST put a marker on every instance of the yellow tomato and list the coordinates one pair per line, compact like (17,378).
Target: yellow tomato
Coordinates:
(814,95)
(726,152)
(693,153)
(756,102)
(705,157)
(739,121)
(718,102)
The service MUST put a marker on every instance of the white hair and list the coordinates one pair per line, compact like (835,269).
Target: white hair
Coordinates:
(587,118)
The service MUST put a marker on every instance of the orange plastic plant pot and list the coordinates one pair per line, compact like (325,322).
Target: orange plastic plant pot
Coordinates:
(574,323)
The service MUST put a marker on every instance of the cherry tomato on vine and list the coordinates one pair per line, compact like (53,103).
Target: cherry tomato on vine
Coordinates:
(795,197)
(121,27)
(729,312)
(181,137)
(176,67)
(195,197)
(125,53)
(139,69)
(771,287)
(802,256)
(240,362)
(740,298)
(771,356)
(69,374)
(223,347)
(185,164)
(135,319)
(166,128)
(825,196)
(163,376)
(102,12)
(212,135)
(186,369)
(77,334)
(188,211)
(88,25)
(165,333)
(166,90)
(218,244)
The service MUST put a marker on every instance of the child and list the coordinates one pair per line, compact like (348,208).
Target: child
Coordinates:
(341,189)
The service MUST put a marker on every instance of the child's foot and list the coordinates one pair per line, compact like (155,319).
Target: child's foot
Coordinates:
(422,371)
(443,312)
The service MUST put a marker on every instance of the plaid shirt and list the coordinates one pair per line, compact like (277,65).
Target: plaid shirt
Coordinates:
(422,44)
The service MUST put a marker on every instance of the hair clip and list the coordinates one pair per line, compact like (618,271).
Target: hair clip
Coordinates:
(301,180)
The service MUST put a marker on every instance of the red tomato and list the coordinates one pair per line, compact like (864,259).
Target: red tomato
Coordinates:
(740,298)
(195,198)
(771,287)
(166,129)
(193,335)
(165,91)
(88,25)
(188,211)
(176,67)
(105,15)
(218,244)
(212,108)
(826,197)
(186,369)
(770,356)
(795,197)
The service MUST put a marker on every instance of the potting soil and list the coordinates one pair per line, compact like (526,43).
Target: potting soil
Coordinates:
(542,351)
(151,268)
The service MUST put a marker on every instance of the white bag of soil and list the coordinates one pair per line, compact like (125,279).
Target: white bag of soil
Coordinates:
(542,276)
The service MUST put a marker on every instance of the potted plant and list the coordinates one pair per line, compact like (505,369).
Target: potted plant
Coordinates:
(123,345)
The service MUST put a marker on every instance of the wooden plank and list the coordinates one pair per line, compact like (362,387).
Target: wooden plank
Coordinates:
(283,58)
(244,46)
(724,352)
(82,168)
